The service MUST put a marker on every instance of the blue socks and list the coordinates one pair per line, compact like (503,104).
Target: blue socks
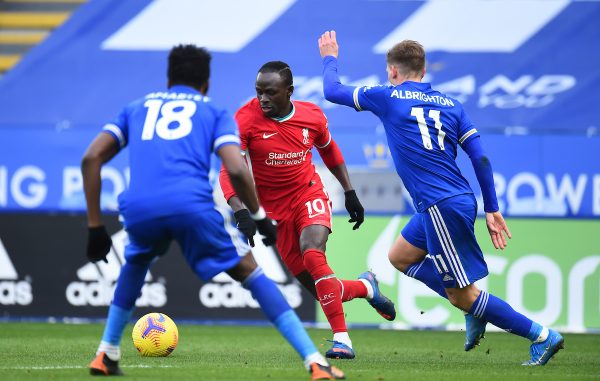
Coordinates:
(502,315)
(117,320)
(129,286)
(128,289)
(486,307)
(426,272)
(279,312)
(290,327)
(535,331)
(263,289)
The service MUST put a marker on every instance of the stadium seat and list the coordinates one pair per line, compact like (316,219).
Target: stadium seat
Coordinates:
(25,23)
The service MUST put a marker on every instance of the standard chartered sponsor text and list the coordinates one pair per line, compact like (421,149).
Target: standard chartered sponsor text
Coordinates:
(286,158)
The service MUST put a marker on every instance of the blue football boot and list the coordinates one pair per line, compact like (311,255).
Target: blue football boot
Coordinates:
(543,351)
(340,351)
(475,331)
(382,304)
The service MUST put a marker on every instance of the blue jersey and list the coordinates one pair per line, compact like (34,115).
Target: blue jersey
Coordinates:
(170,136)
(423,129)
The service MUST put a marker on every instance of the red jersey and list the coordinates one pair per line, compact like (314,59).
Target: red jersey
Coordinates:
(279,153)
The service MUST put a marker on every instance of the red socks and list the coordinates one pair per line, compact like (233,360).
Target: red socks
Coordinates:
(328,288)
(353,289)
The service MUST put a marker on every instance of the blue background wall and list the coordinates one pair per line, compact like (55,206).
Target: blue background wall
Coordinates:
(528,76)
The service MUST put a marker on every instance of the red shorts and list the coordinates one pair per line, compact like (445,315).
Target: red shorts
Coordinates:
(313,209)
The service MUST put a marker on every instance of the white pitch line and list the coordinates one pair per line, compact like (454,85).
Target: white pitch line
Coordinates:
(75,367)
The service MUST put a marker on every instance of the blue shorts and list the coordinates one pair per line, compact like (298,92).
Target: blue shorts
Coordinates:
(210,243)
(446,232)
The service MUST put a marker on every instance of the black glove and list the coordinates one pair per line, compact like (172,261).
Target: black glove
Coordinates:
(266,227)
(99,244)
(245,224)
(354,208)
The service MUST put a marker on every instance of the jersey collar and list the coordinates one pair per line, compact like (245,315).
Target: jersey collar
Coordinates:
(287,117)
(421,86)
(183,89)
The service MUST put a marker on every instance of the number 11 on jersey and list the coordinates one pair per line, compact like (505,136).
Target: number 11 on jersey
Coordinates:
(419,113)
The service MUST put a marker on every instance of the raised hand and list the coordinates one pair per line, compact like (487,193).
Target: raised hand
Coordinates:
(328,45)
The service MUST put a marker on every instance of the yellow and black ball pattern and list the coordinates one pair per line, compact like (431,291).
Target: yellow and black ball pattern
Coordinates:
(155,335)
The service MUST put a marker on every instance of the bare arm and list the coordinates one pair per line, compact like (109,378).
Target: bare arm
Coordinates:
(341,174)
(244,188)
(243,219)
(240,178)
(334,160)
(235,203)
(101,150)
(228,192)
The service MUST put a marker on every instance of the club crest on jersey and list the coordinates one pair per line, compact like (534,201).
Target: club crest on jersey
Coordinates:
(305,135)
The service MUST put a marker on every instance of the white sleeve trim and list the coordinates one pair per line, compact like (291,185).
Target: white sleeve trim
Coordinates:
(117,132)
(326,144)
(355,97)
(465,136)
(225,139)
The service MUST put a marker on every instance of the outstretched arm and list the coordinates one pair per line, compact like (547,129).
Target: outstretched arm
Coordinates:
(483,170)
(333,88)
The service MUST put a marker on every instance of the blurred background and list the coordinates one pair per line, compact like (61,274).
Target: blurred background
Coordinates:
(527,72)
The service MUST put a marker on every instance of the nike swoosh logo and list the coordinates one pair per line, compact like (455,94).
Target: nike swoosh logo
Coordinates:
(266,136)
(329,302)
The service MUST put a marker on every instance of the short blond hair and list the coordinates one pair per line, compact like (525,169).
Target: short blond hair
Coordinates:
(408,57)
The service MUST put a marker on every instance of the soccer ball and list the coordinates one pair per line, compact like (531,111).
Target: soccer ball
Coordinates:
(155,335)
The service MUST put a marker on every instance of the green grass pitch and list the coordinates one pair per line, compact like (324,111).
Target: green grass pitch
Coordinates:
(35,351)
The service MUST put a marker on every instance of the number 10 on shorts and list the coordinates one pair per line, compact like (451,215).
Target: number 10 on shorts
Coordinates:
(315,207)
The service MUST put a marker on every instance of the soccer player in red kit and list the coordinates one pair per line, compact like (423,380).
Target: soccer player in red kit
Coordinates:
(277,136)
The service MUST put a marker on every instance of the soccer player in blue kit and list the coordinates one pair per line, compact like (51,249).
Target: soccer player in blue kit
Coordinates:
(423,129)
(171,135)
